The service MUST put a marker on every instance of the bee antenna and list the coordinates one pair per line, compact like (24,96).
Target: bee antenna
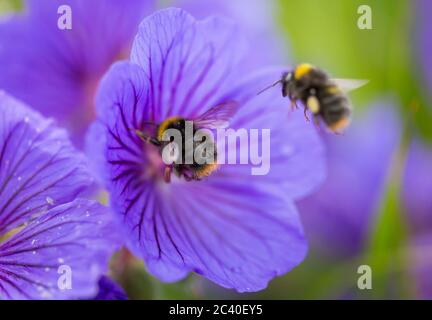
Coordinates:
(270,86)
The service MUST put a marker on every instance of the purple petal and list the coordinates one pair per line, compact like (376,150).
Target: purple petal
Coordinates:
(109,290)
(38,166)
(257,21)
(189,63)
(338,217)
(95,151)
(47,67)
(224,234)
(122,104)
(79,236)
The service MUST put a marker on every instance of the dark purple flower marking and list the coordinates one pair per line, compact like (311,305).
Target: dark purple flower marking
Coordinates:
(43,225)
(238,230)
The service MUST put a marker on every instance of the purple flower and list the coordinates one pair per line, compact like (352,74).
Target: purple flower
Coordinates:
(338,218)
(46,230)
(57,71)
(236,229)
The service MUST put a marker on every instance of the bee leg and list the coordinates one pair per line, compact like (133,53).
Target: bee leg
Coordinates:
(338,133)
(305,114)
(147,138)
(167,174)
(189,176)
(317,123)
(292,105)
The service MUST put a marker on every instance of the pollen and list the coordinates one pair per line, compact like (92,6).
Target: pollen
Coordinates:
(9,234)
(313,104)
(302,69)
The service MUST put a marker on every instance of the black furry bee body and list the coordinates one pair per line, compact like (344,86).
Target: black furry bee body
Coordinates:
(194,170)
(190,144)
(319,94)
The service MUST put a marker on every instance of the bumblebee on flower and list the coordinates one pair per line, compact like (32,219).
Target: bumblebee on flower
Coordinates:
(238,230)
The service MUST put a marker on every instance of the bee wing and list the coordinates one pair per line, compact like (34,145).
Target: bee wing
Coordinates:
(347,85)
(217,116)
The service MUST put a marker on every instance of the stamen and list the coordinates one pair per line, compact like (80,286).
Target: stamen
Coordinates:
(6,236)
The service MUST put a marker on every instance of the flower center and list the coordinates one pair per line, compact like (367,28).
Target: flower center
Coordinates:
(179,147)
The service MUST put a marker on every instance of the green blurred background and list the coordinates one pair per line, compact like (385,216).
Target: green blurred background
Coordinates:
(326,33)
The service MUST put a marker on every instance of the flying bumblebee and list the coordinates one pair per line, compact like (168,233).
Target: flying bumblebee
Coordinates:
(214,118)
(324,97)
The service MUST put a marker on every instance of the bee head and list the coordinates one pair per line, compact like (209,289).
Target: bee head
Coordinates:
(287,81)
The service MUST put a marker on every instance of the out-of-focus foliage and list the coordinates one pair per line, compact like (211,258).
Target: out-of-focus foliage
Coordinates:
(10,5)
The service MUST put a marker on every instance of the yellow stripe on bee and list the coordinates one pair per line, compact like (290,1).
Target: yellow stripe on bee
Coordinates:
(206,170)
(340,125)
(302,69)
(164,125)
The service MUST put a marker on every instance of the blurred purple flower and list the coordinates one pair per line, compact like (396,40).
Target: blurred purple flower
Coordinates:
(421,264)
(338,217)
(417,187)
(238,230)
(43,225)
(257,21)
(109,290)
(57,71)
(424,38)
